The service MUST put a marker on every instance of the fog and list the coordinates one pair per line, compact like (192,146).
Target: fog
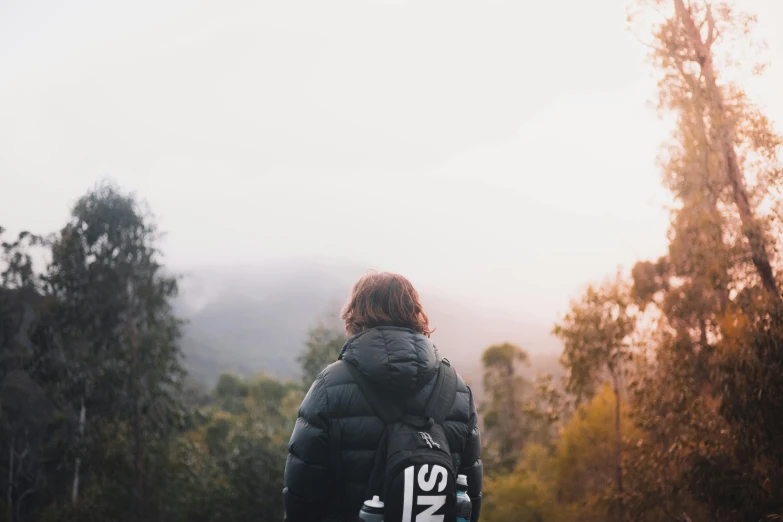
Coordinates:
(448,141)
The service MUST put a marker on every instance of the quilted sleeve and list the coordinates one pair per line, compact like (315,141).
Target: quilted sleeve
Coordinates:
(307,467)
(471,465)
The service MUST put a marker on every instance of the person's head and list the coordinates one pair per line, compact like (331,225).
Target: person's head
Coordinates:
(384,299)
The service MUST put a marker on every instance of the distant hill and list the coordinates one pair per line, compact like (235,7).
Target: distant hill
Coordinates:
(256,320)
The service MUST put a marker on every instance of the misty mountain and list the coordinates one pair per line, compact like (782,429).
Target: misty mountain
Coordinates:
(255,320)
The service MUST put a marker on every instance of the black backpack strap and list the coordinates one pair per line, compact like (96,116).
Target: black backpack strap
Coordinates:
(378,473)
(387,411)
(442,397)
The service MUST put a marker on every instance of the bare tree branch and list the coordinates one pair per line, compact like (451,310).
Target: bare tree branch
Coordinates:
(652,6)
(712,33)
(646,44)
(689,78)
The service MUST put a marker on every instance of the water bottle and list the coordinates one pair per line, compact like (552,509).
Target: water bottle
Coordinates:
(464,507)
(372,511)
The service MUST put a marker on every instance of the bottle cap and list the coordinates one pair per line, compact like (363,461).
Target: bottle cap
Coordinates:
(462,480)
(374,503)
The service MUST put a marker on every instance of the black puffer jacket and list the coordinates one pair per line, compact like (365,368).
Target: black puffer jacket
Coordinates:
(332,447)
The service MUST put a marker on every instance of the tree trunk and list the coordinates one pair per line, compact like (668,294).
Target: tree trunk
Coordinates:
(726,139)
(618,434)
(136,405)
(509,416)
(75,491)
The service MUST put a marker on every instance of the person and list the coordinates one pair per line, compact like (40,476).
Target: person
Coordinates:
(331,450)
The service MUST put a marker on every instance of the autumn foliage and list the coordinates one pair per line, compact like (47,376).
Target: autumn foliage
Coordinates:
(672,405)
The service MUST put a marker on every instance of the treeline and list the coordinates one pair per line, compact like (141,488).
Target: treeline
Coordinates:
(672,405)
(98,419)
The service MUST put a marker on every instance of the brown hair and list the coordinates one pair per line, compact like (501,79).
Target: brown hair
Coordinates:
(384,299)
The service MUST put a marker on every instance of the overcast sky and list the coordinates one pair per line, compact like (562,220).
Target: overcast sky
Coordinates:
(498,152)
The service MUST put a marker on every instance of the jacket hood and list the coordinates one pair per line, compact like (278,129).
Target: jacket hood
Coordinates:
(394,358)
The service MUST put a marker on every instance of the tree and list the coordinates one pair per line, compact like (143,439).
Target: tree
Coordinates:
(744,480)
(675,420)
(519,496)
(716,288)
(228,466)
(503,410)
(728,135)
(27,414)
(112,321)
(574,480)
(322,348)
(92,394)
(595,334)
(546,410)
(585,459)
(230,393)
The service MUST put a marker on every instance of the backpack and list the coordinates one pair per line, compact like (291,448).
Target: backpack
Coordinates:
(413,472)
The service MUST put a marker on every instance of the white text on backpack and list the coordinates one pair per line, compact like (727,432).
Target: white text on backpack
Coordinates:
(438,476)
